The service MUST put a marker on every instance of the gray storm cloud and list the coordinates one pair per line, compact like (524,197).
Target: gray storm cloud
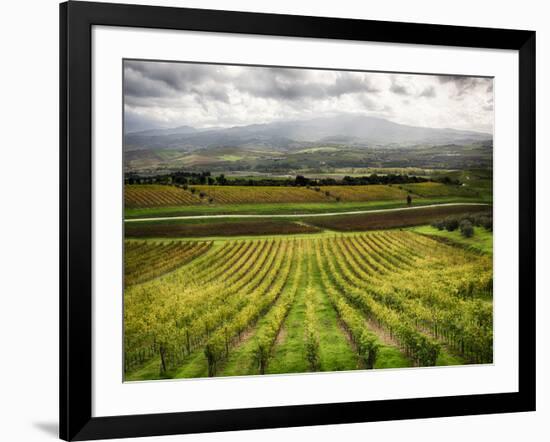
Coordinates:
(398,88)
(170,94)
(428,92)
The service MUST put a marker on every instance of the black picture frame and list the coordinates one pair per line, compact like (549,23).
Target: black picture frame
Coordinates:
(76,21)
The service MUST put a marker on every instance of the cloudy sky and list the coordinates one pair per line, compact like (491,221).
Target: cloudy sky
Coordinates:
(166,95)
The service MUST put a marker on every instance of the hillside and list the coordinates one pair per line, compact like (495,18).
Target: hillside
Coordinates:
(347,130)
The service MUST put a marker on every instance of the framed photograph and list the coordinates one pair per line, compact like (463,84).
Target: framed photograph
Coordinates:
(272,221)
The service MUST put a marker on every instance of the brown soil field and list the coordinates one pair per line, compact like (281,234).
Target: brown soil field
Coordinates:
(218,228)
(392,219)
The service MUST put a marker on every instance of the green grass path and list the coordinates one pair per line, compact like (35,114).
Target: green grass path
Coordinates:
(335,352)
(194,367)
(242,360)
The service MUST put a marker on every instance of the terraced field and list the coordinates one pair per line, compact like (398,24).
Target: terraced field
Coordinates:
(334,302)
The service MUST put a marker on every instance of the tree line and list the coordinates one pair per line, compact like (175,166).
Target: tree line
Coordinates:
(206,178)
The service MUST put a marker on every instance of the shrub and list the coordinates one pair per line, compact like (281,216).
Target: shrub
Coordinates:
(467,217)
(486,222)
(438,224)
(451,224)
(466,228)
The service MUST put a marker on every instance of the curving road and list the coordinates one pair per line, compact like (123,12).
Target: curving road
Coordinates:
(296,215)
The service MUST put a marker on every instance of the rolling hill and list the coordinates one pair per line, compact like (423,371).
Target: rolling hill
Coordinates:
(345,130)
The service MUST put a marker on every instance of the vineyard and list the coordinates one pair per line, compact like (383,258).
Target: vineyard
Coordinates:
(430,189)
(261,194)
(154,195)
(348,301)
(374,192)
(147,260)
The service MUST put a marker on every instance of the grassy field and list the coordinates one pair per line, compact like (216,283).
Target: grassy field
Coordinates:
(319,302)
(482,240)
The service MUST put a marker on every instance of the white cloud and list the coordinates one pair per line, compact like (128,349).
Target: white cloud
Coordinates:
(159,94)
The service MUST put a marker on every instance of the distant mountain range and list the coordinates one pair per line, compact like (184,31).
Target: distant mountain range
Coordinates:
(347,130)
